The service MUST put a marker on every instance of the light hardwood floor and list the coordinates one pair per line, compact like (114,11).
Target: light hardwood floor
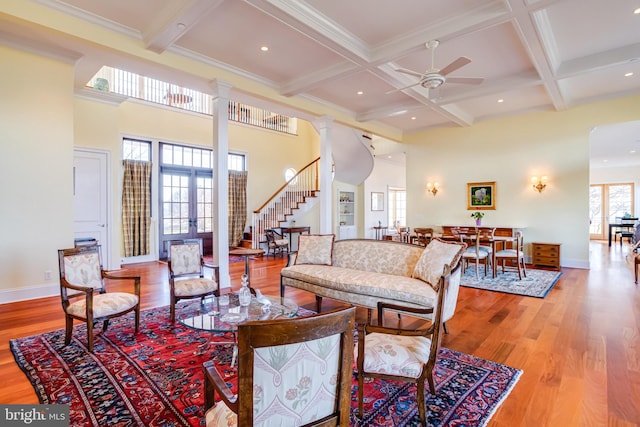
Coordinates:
(579,347)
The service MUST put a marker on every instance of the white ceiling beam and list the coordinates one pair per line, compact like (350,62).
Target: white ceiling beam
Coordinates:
(598,61)
(173,21)
(528,24)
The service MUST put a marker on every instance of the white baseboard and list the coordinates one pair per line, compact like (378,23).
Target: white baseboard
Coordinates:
(29,293)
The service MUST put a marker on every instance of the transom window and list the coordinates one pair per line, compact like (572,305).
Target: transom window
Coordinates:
(178,155)
(135,149)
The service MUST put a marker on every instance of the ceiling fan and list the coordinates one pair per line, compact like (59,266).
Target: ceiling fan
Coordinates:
(433,78)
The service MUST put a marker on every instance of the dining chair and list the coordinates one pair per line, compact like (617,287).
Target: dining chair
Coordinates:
(404,234)
(397,354)
(475,252)
(186,273)
(291,372)
(514,255)
(423,236)
(84,293)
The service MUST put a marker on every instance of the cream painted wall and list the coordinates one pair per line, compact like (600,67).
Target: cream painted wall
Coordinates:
(385,174)
(268,154)
(509,152)
(36,218)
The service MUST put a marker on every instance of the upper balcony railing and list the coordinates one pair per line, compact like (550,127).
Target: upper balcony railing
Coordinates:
(136,86)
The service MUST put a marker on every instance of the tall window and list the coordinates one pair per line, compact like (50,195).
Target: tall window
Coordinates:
(397,207)
(607,203)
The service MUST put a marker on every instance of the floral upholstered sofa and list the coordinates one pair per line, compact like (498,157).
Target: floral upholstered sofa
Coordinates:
(362,272)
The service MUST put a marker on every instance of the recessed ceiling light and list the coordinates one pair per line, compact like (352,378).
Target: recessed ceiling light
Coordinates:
(264,48)
(637,11)
(628,74)
(605,161)
(500,100)
(632,152)
(359,92)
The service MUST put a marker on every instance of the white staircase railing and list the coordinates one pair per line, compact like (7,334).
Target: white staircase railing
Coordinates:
(280,205)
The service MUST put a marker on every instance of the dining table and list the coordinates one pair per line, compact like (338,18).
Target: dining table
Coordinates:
(623,224)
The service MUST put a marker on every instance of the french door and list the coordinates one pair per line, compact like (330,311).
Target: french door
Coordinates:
(186,206)
(607,204)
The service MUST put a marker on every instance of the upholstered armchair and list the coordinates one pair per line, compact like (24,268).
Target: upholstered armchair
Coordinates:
(397,354)
(290,372)
(84,293)
(275,242)
(186,273)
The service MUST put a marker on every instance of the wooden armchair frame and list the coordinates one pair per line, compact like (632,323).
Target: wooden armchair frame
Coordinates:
(432,332)
(71,294)
(197,273)
(272,333)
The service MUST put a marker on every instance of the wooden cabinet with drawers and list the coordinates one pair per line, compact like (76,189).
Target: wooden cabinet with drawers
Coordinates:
(546,255)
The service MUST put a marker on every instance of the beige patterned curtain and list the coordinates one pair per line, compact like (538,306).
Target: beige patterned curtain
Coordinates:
(237,206)
(136,207)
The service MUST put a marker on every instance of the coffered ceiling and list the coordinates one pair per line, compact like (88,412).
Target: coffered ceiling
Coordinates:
(343,56)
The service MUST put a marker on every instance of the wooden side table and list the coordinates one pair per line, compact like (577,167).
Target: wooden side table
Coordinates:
(546,255)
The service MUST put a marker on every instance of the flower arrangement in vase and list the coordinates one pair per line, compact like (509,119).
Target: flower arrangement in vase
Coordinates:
(477,215)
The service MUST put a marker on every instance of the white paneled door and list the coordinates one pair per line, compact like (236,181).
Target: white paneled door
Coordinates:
(90,198)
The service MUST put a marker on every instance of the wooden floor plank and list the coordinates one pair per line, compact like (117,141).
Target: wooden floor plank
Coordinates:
(579,347)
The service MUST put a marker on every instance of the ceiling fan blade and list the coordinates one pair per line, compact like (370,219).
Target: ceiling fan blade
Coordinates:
(410,72)
(465,80)
(458,63)
(402,88)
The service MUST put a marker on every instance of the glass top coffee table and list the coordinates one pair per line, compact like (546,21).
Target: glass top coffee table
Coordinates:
(216,318)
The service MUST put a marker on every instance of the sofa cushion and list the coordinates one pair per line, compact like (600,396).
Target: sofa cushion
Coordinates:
(435,256)
(315,249)
(378,256)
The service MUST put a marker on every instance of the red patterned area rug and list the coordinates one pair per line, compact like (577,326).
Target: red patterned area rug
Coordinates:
(154,378)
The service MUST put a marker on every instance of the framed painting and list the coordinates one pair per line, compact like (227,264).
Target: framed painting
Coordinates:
(481,195)
(377,201)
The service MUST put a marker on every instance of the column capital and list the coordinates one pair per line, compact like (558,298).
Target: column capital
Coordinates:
(221,88)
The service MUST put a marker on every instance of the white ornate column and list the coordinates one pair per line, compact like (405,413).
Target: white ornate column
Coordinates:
(220,112)
(325,125)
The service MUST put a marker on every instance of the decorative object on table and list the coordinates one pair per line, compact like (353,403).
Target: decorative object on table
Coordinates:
(478,215)
(538,283)
(172,380)
(433,188)
(481,195)
(539,183)
(377,201)
(244,295)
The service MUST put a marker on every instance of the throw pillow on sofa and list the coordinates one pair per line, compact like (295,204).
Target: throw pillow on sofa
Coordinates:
(435,256)
(315,249)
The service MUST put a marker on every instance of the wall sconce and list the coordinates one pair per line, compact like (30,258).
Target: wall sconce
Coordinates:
(539,183)
(433,188)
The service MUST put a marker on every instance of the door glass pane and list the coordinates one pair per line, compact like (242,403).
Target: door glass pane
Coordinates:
(204,187)
(175,204)
(595,210)
(620,201)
